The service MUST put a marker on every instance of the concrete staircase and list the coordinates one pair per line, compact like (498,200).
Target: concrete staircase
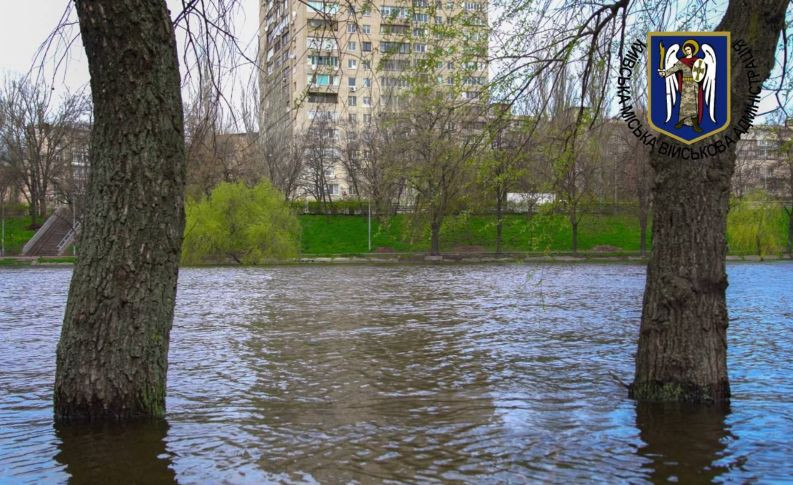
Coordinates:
(53,237)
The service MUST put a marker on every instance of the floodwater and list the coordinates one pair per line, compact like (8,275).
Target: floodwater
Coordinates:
(410,374)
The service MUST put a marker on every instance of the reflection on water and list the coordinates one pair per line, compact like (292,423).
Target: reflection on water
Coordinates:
(418,374)
(684,442)
(115,453)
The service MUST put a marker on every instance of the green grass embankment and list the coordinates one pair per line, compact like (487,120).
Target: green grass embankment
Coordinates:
(17,233)
(348,234)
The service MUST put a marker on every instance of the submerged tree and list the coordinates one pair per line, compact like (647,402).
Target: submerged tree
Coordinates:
(112,355)
(682,353)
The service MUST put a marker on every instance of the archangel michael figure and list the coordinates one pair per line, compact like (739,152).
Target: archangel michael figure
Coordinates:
(694,80)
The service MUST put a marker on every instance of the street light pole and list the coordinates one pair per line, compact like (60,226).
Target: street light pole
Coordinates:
(370,223)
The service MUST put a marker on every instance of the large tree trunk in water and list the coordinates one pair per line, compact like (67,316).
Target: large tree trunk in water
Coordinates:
(113,353)
(682,353)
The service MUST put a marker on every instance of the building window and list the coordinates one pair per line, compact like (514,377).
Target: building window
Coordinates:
(352,101)
(352,118)
(321,43)
(367,65)
(333,189)
(393,11)
(352,46)
(438,20)
(419,47)
(367,101)
(366,46)
(367,118)
(322,80)
(367,82)
(327,98)
(420,17)
(351,82)
(367,29)
(419,32)
(323,61)
(322,7)
(395,47)
(352,28)
(352,63)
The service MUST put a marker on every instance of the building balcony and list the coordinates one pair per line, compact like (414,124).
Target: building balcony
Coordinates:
(316,88)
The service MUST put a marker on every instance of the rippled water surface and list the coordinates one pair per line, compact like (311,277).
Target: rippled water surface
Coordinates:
(363,374)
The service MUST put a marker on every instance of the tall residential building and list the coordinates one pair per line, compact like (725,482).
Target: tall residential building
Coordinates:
(328,67)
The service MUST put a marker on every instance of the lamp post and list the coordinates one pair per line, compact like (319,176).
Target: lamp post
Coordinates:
(370,223)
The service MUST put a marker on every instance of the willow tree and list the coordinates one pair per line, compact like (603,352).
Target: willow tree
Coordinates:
(683,341)
(682,352)
(112,355)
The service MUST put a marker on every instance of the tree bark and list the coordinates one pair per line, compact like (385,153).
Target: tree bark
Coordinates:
(435,238)
(643,231)
(112,357)
(499,222)
(574,227)
(682,354)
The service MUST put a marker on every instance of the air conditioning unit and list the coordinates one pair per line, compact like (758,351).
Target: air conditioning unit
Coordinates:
(352,89)
(313,67)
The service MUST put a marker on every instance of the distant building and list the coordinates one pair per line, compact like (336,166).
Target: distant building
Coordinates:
(330,66)
(759,161)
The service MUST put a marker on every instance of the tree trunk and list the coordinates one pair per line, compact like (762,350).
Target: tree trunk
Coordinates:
(435,238)
(574,226)
(682,353)
(790,230)
(643,233)
(499,222)
(113,352)
(33,210)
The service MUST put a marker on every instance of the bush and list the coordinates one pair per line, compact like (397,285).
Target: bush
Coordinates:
(237,223)
(755,225)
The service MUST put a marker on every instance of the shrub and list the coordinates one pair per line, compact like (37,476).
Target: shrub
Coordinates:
(237,223)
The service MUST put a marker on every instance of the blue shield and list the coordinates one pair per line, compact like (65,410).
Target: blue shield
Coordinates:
(688,80)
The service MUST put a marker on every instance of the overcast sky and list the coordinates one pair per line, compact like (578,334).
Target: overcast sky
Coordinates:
(25,24)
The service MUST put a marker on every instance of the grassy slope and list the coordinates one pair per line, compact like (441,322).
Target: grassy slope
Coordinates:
(348,234)
(17,234)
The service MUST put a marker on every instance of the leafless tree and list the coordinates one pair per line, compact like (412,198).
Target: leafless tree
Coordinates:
(38,136)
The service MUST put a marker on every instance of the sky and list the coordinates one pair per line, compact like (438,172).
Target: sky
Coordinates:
(25,24)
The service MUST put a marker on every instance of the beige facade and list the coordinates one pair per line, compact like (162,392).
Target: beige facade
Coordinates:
(760,163)
(329,67)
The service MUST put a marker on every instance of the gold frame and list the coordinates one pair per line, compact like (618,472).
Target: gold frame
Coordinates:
(650,85)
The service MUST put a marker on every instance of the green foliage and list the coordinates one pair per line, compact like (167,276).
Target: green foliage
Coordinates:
(756,225)
(237,223)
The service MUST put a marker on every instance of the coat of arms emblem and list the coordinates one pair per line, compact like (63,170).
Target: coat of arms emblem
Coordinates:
(688,80)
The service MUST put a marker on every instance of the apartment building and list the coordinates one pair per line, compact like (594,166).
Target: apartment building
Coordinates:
(328,67)
(761,164)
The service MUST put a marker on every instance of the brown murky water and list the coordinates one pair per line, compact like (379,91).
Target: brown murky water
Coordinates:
(415,374)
